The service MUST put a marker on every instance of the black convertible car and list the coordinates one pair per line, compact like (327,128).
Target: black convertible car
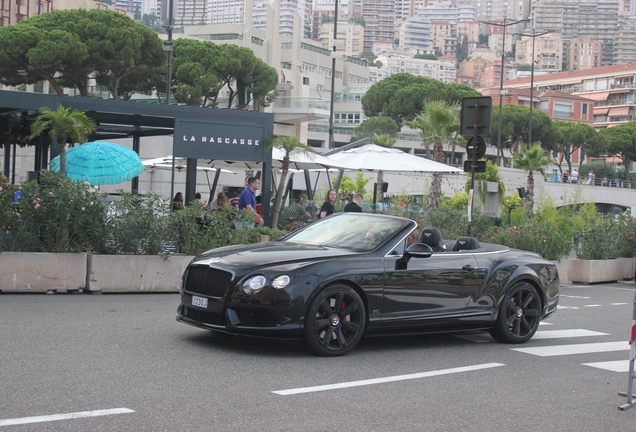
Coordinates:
(355,274)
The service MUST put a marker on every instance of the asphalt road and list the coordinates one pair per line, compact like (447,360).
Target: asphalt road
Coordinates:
(64,354)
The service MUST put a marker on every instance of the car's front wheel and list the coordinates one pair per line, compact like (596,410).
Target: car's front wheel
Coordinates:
(335,321)
(519,315)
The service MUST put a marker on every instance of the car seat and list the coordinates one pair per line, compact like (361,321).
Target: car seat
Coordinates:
(433,238)
(466,243)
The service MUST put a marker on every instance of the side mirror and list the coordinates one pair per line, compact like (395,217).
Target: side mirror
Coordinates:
(417,250)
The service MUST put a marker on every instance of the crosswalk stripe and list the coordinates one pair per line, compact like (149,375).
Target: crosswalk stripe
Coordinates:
(556,334)
(613,366)
(557,350)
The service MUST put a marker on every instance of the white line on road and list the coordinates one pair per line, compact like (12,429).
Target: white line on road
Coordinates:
(556,334)
(592,305)
(566,307)
(386,379)
(576,297)
(54,417)
(556,350)
(613,366)
(618,304)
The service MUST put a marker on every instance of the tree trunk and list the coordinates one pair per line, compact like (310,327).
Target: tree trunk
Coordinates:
(530,193)
(279,196)
(436,186)
(61,140)
(379,188)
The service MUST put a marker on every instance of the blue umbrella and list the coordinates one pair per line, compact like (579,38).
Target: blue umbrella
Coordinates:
(100,163)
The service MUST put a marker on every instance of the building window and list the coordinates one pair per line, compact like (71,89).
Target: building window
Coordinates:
(305,80)
(584,109)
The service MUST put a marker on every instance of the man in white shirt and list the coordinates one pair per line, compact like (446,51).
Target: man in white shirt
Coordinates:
(574,177)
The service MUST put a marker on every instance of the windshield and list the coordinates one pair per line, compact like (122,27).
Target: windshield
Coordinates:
(355,231)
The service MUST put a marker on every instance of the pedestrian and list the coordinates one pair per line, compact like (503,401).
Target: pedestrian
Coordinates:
(247,200)
(604,182)
(566,175)
(355,204)
(574,177)
(328,207)
(591,178)
(555,177)
(177,202)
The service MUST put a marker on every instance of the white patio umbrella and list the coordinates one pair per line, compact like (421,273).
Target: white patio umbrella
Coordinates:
(373,157)
(298,161)
(179,164)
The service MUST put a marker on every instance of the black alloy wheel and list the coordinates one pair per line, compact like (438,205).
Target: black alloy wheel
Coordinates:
(519,315)
(335,321)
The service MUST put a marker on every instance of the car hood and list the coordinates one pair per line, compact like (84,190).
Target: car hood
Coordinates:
(269,253)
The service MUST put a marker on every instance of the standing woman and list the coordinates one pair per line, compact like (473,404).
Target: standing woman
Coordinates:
(328,206)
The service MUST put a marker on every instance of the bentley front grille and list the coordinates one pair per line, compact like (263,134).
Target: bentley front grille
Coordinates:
(207,281)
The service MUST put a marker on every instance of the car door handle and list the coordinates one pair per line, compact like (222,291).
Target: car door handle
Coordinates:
(468,268)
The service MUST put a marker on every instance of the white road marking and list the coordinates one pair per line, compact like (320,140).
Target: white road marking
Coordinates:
(54,417)
(557,350)
(576,297)
(556,334)
(592,305)
(544,323)
(618,304)
(613,366)
(386,379)
(566,307)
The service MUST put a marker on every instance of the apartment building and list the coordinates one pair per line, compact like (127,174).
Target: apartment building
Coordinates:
(379,17)
(190,12)
(583,54)
(349,34)
(316,19)
(14,11)
(612,90)
(443,69)
(625,41)
(415,34)
(444,37)
(582,19)
(547,50)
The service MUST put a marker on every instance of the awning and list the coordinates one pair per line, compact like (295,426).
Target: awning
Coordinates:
(601,111)
(619,112)
(596,96)
(616,91)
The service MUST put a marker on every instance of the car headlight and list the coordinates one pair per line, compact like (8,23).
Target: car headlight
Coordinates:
(254,284)
(281,282)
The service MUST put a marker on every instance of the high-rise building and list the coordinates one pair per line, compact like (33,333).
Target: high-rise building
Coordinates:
(190,12)
(582,19)
(351,34)
(548,49)
(415,35)
(379,17)
(625,41)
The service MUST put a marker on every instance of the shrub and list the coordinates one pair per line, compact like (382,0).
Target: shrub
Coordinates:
(57,215)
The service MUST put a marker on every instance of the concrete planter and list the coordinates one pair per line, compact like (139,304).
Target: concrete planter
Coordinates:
(593,271)
(42,272)
(135,273)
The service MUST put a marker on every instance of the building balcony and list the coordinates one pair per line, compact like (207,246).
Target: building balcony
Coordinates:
(295,110)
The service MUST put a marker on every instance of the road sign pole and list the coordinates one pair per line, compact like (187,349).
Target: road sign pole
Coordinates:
(473,157)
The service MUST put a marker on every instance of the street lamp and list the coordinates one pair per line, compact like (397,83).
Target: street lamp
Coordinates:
(533,36)
(503,59)
(332,144)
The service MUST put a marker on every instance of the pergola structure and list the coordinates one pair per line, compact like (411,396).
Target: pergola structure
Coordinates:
(198,133)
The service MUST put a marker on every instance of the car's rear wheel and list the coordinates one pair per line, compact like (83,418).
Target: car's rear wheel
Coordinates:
(335,321)
(519,315)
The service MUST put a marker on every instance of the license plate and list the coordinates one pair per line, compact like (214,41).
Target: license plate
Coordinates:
(199,301)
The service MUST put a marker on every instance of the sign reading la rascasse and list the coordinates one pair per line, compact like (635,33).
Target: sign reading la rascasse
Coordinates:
(221,140)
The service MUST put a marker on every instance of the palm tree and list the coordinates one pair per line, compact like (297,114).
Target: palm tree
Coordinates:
(290,146)
(438,123)
(531,159)
(383,140)
(70,126)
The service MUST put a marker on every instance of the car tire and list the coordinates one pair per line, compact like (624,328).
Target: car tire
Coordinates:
(335,321)
(519,315)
